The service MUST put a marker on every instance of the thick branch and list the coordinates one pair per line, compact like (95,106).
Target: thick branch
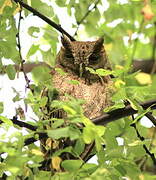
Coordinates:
(123,112)
(32,139)
(22,124)
(108,117)
(142,65)
(44,18)
(101,120)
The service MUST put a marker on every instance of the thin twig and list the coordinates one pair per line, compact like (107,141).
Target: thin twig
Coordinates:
(20,53)
(150,147)
(85,16)
(144,146)
(44,18)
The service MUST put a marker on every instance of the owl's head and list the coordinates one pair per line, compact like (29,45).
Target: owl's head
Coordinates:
(76,55)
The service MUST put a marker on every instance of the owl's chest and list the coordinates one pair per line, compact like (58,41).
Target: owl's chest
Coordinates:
(95,95)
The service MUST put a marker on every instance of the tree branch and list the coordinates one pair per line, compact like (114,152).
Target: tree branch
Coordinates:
(122,112)
(44,18)
(101,120)
(22,124)
(142,65)
(151,118)
(109,117)
(21,67)
(32,139)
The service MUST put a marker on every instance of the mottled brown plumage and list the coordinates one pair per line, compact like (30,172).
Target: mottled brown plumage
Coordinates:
(73,58)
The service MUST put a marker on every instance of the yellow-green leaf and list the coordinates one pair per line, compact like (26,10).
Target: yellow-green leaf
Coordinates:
(6,120)
(143,78)
(11,72)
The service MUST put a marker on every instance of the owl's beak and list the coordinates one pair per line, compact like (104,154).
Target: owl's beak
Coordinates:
(81,69)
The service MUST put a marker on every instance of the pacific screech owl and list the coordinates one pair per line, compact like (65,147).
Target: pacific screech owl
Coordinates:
(73,58)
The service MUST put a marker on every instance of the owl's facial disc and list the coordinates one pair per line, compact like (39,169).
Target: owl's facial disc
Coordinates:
(79,54)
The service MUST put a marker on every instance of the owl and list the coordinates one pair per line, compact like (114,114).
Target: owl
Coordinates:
(74,58)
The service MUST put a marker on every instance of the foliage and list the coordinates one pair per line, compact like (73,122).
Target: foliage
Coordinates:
(128,28)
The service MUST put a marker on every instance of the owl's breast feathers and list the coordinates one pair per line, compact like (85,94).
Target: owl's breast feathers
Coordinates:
(73,58)
(96,95)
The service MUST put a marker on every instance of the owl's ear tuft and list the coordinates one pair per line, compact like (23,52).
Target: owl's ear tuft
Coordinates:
(98,45)
(66,42)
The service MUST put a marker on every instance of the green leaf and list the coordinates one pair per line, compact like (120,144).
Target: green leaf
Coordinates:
(117,105)
(11,72)
(100,130)
(89,168)
(16,98)
(134,104)
(43,8)
(43,101)
(71,165)
(141,113)
(69,110)
(33,29)
(60,3)
(1,107)
(41,75)
(6,120)
(59,152)
(32,50)
(3,167)
(103,72)
(79,146)
(60,71)
(74,133)
(57,122)
(98,144)
(2,2)
(74,82)
(121,170)
(58,133)
(88,135)
(91,70)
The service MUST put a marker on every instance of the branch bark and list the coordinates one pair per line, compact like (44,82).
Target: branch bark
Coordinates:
(122,112)
(142,65)
(101,120)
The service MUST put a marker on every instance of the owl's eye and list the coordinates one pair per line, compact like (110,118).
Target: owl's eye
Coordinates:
(93,59)
(69,56)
